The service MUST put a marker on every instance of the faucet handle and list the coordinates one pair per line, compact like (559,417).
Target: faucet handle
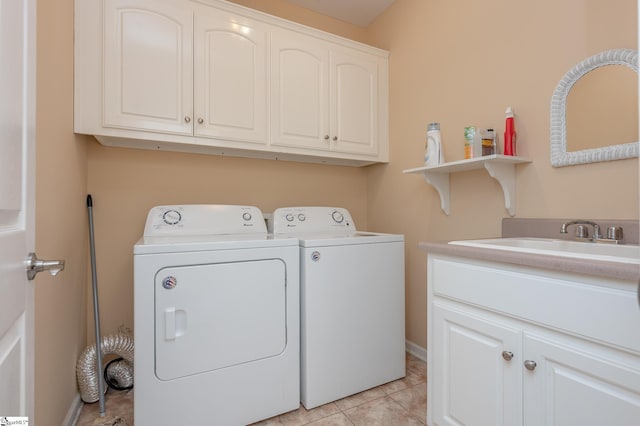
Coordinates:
(614,233)
(582,231)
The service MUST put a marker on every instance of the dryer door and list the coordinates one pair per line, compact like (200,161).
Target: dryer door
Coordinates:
(218,315)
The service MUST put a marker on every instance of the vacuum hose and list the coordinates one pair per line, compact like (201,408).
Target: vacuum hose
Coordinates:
(116,344)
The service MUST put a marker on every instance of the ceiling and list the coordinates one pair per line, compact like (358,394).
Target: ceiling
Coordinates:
(358,12)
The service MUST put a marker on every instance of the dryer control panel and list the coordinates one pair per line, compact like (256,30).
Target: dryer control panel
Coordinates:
(204,219)
(311,219)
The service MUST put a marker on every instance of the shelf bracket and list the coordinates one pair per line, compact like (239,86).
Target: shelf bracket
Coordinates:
(500,167)
(504,173)
(440,181)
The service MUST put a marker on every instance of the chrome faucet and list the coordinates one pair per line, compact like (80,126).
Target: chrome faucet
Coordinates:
(614,233)
(582,233)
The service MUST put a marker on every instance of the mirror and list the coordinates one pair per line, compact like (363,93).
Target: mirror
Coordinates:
(593,75)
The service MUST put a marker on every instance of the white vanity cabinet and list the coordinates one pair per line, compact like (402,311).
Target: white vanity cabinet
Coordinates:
(510,345)
(210,76)
(323,96)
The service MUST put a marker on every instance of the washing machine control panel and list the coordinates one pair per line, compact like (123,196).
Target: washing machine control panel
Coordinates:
(204,219)
(311,219)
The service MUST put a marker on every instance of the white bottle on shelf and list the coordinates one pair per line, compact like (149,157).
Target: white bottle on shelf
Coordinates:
(433,153)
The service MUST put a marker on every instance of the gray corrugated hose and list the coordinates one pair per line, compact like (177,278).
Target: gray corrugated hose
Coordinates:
(116,344)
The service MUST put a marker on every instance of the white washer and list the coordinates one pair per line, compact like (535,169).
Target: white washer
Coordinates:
(216,327)
(351,303)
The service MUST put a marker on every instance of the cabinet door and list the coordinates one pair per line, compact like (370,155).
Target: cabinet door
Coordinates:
(231,75)
(569,386)
(299,91)
(473,382)
(148,71)
(354,102)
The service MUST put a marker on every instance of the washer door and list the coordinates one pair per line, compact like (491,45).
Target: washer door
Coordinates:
(218,315)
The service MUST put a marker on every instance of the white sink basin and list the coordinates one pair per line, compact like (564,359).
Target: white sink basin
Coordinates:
(622,253)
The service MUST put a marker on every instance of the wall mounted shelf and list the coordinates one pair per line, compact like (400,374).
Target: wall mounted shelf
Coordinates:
(499,167)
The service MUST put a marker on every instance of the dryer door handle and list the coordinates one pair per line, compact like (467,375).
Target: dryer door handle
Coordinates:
(175,323)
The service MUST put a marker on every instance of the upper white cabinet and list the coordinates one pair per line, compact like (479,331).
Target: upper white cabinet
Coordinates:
(230,60)
(324,96)
(148,66)
(299,91)
(354,102)
(214,77)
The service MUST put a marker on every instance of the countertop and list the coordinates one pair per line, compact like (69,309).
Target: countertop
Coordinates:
(622,271)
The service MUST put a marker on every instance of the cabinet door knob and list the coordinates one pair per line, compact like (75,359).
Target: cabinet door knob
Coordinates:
(200,120)
(530,365)
(187,119)
(335,138)
(326,137)
(507,355)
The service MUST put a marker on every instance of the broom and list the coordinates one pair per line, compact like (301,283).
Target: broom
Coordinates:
(102,420)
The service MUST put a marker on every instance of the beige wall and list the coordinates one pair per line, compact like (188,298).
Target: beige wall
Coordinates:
(61,218)
(462,63)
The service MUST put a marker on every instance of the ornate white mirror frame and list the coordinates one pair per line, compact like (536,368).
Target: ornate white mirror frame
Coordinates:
(559,155)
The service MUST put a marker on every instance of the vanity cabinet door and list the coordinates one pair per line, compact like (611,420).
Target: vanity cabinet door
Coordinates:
(148,71)
(478,379)
(354,102)
(230,76)
(299,91)
(570,386)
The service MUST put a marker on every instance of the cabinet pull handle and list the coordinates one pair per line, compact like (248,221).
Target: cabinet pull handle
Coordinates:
(335,138)
(507,355)
(530,365)
(326,137)
(200,120)
(187,119)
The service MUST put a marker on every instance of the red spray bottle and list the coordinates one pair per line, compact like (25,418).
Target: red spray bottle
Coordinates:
(509,134)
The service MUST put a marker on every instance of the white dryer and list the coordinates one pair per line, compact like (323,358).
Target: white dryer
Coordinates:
(216,311)
(351,303)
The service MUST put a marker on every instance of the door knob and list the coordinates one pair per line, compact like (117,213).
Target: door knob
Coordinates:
(507,355)
(530,365)
(33,265)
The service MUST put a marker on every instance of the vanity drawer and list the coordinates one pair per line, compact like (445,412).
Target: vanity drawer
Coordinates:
(590,309)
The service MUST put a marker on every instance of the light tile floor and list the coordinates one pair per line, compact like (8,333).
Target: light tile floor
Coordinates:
(398,403)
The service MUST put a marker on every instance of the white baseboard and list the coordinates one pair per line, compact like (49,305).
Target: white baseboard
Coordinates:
(74,411)
(416,350)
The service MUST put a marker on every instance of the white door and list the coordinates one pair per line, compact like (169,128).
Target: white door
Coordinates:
(17,144)
(567,385)
(140,39)
(230,77)
(480,381)
(299,91)
(354,103)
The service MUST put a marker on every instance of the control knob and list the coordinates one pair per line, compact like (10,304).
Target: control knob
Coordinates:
(171,217)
